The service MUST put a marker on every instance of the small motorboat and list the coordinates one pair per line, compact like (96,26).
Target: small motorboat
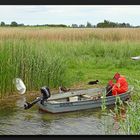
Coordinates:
(80,100)
(135,58)
(72,100)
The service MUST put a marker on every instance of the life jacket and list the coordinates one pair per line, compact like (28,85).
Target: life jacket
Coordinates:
(120,86)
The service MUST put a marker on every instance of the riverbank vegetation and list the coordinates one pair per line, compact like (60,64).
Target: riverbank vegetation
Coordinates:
(60,56)
(70,57)
(130,125)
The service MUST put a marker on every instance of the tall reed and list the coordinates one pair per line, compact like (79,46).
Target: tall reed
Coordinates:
(64,56)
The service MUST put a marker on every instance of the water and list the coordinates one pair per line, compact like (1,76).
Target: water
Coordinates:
(14,120)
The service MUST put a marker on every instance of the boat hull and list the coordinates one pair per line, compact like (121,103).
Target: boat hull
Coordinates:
(81,105)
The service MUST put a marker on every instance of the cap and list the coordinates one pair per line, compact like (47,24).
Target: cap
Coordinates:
(116,76)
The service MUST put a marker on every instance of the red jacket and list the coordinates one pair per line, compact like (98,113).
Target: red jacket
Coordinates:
(120,86)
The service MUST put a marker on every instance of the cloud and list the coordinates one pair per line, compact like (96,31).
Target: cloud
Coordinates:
(68,14)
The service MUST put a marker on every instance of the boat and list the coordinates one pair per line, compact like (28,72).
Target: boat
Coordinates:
(80,100)
(135,58)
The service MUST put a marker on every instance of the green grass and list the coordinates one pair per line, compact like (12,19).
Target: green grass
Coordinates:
(53,62)
(125,114)
(48,63)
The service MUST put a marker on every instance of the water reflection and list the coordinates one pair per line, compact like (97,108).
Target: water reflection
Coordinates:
(36,122)
(79,122)
(21,101)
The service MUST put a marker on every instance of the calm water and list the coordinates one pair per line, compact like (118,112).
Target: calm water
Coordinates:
(14,120)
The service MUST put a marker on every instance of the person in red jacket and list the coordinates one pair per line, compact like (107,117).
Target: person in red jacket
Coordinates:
(119,87)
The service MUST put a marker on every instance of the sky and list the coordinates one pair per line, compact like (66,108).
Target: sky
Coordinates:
(69,14)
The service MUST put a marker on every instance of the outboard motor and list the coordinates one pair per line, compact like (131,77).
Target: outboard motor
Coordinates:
(45,91)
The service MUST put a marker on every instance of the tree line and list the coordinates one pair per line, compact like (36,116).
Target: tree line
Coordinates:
(104,24)
(107,24)
(15,24)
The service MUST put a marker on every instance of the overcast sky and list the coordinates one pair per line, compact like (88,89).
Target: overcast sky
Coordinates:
(69,14)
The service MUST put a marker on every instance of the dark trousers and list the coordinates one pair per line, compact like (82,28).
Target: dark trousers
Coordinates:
(108,90)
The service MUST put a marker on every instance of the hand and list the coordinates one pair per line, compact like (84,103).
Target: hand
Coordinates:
(117,85)
(111,83)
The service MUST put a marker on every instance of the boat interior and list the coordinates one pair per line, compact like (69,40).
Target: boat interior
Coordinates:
(76,98)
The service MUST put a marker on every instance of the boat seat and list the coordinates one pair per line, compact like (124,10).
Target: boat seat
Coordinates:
(73,99)
(86,96)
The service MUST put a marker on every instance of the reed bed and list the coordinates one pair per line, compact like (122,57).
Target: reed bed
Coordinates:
(65,34)
(131,124)
(125,115)
(64,56)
